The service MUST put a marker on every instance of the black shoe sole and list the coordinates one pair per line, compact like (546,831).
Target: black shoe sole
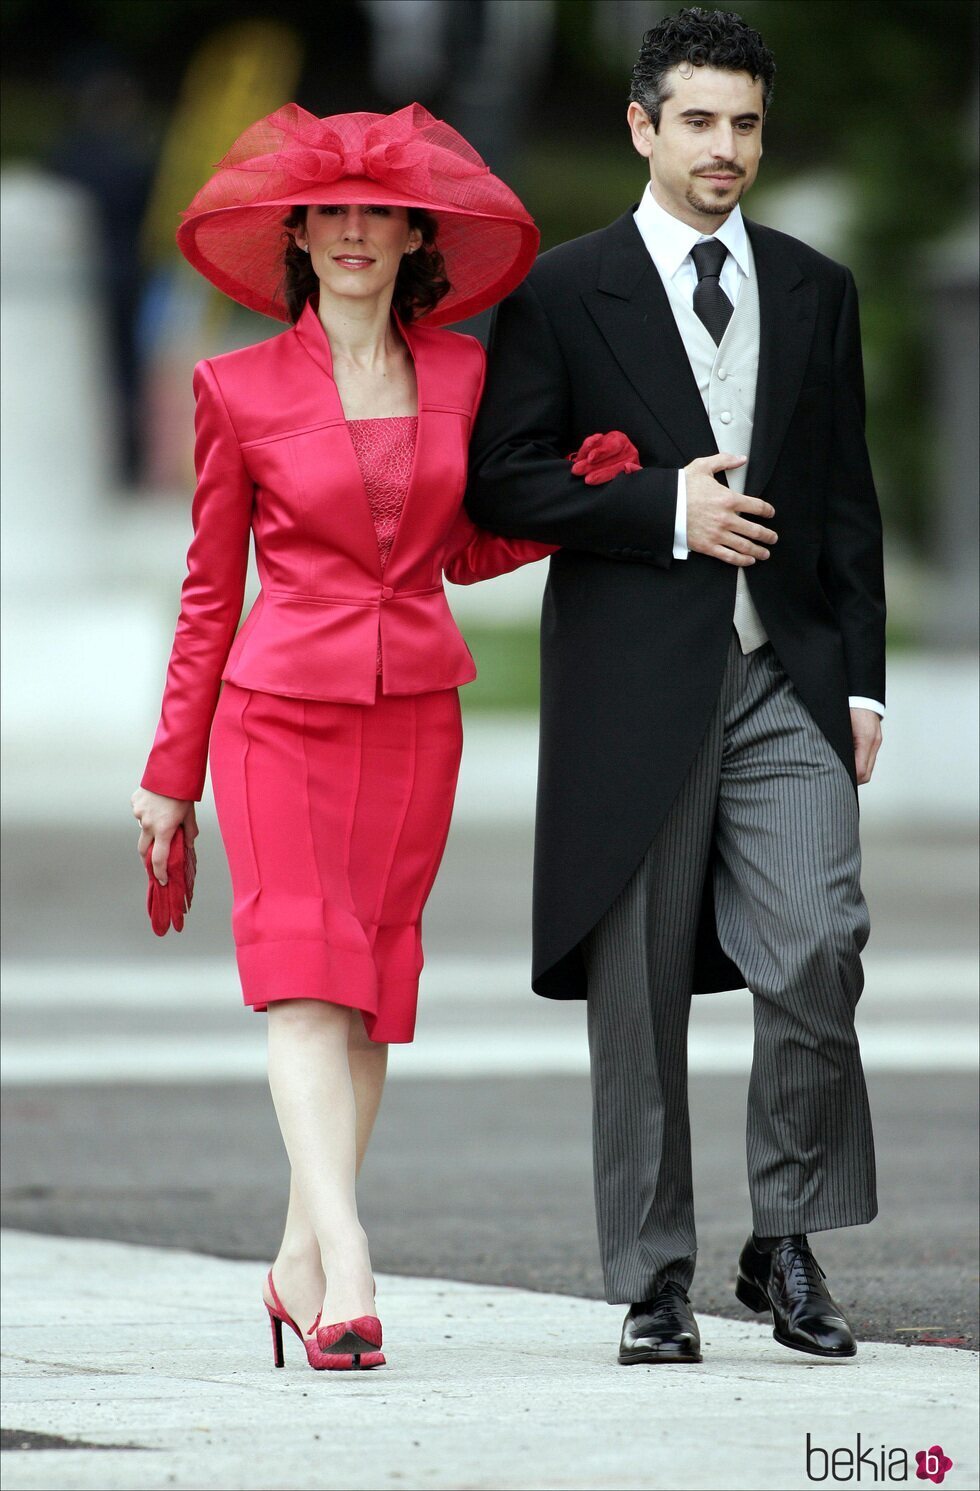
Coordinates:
(827,1356)
(653,1358)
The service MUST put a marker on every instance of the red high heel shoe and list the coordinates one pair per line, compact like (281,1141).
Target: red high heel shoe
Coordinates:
(278,1317)
(351,1344)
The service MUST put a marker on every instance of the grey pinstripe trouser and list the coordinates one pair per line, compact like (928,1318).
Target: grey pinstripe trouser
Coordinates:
(791,916)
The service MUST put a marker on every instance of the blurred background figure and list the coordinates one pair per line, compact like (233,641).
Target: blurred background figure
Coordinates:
(107,145)
(482,59)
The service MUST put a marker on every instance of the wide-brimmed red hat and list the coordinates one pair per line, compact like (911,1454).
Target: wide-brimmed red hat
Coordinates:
(233,229)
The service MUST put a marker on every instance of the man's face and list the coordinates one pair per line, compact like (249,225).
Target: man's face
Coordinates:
(706,151)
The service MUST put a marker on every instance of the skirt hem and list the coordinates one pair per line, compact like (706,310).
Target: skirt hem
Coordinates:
(307,968)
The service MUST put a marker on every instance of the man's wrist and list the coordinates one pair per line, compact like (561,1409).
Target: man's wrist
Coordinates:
(857,701)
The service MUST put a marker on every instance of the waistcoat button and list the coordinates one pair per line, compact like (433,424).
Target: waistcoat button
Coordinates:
(725,417)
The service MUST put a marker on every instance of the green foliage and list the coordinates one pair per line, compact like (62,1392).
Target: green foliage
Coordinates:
(507,668)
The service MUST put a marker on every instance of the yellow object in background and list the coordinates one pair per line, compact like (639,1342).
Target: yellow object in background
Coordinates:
(240,73)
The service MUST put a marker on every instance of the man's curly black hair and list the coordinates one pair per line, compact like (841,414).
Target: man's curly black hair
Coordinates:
(713,38)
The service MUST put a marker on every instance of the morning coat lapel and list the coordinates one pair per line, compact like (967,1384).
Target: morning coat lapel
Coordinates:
(787,316)
(631,309)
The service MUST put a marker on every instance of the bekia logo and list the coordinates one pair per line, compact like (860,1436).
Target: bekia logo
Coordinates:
(874,1463)
(933,1464)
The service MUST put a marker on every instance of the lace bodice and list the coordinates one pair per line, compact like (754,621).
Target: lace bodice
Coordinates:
(385,450)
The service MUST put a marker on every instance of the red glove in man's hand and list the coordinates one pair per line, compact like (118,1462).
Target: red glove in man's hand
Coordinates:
(166,904)
(601,457)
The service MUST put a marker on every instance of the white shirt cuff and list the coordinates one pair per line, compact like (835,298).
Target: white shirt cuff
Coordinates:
(857,702)
(681,550)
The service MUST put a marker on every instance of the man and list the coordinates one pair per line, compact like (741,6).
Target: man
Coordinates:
(712,678)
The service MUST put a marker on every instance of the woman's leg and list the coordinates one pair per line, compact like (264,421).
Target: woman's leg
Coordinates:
(297,1270)
(326,1087)
(368,1068)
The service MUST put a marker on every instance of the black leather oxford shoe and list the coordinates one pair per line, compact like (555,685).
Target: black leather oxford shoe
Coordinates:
(789,1282)
(662,1329)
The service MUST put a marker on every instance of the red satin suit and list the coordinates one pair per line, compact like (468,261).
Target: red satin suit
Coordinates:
(333,779)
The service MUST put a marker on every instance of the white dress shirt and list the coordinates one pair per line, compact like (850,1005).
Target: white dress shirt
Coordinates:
(669,242)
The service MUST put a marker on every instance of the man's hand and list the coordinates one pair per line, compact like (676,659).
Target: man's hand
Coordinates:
(715,524)
(866,734)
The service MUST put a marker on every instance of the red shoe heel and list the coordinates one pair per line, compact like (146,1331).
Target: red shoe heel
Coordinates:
(351,1345)
(279,1316)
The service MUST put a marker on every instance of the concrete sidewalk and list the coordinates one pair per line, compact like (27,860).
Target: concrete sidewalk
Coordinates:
(160,1362)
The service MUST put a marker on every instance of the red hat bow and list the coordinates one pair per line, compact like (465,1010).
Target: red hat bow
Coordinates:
(292,150)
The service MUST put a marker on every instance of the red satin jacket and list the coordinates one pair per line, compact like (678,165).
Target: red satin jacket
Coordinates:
(273,457)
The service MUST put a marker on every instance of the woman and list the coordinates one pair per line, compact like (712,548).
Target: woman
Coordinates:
(341,445)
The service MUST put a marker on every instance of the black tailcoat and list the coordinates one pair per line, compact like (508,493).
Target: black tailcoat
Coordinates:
(634,642)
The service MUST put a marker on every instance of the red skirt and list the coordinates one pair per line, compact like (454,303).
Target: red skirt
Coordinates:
(334,818)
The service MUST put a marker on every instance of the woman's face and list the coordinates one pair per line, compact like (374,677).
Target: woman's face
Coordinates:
(356,250)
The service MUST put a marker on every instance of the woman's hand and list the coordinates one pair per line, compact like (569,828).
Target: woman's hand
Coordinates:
(159,818)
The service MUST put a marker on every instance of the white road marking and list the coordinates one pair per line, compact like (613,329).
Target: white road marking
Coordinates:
(440,1054)
(916,1013)
(212,983)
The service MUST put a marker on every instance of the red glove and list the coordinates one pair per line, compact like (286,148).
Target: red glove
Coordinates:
(166,904)
(601,457)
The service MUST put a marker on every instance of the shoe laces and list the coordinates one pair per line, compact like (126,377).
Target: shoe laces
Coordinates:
(802,1267)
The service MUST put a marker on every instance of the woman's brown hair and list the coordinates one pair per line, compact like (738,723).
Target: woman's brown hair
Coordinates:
(420,283)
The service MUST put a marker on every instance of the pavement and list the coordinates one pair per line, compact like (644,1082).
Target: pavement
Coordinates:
(152,1367)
